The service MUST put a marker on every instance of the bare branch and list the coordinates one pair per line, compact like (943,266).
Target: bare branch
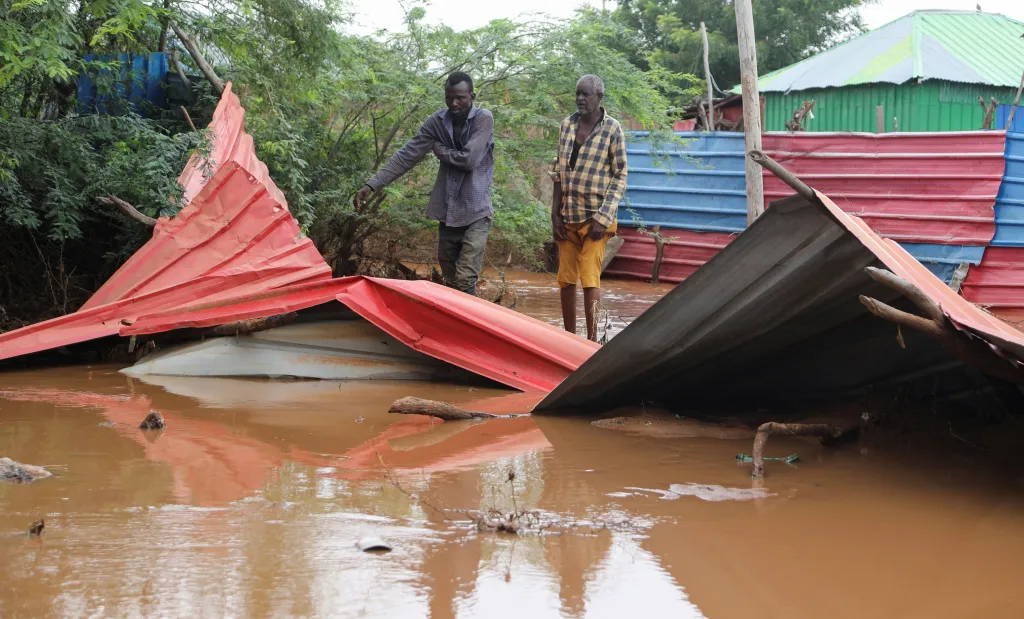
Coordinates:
(914,294)
(197,56)
(127,209)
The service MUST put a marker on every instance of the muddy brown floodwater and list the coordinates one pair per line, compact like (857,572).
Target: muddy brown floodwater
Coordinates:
(250,504)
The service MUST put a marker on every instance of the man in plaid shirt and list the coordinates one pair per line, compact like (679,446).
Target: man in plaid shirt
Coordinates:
(590,179)
(461,136)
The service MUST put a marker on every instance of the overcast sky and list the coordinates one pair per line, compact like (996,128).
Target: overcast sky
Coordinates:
(462,14)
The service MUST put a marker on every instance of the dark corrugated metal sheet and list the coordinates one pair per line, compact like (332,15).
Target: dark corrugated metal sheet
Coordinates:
(775,318)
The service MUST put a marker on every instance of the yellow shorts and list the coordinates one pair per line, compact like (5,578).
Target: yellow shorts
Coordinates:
(580,258)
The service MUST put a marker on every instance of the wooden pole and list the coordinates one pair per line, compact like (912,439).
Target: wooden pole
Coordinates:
(1016,102)
(707,76)
(751,105)
(880,119)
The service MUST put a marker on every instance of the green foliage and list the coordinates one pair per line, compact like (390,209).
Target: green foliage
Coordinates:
(786,31)
(325,108)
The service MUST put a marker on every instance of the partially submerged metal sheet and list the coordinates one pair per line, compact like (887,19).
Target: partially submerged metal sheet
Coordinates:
(775,318)
(333,349)
(467,332)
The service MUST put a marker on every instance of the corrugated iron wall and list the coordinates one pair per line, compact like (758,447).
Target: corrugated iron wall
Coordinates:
(934,193)
(997,283)
(928,106)
(695,191)
(935,188)
(140,78)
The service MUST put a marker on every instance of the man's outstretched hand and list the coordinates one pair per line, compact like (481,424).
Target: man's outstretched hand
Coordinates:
(360,198)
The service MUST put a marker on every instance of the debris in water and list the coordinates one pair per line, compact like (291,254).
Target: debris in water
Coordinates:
(360,419)
(37,527)
(106,424)
(441,410)
(790,459)
(708,492)
(21,473)
(153,421)
(372,543)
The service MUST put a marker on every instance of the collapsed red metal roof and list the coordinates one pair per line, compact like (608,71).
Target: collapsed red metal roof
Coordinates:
(235,252)
(476,335)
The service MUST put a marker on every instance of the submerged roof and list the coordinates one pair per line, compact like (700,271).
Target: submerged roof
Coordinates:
(959,46)
(775,318)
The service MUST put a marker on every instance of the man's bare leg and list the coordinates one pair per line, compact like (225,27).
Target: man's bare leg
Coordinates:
(591,302)
(569,308)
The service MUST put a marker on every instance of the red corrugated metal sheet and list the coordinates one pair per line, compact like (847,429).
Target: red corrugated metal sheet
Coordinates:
(235,252)
(911,187)
(236,221)
(235,237)
(687,252)
(997,284)
(468,332)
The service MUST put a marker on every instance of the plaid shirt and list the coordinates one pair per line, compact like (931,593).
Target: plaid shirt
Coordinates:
(462,190)
(595,187)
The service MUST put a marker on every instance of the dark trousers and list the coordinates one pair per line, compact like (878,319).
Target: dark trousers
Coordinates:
(460,250)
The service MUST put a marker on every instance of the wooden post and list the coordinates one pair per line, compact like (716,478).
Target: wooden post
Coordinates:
(1016,102)
(880,119)
(751,105)
(659,254)
(707,76)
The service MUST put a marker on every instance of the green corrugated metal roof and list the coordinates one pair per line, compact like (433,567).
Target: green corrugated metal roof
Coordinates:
(958,46)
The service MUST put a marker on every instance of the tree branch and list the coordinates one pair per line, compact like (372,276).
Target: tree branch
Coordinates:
(197,56)
(180,70)
(127,210)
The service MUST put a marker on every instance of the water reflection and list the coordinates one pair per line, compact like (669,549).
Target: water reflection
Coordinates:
(250,504)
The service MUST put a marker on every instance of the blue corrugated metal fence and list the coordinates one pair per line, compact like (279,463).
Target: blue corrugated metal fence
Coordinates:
(697,185)
(1010,201)
(139,78)
(700,186)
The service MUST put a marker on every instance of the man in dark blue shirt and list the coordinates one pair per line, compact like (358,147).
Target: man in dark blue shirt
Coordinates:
(462,137)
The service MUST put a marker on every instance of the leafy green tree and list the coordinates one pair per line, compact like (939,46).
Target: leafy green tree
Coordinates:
(325,108)
(786,31)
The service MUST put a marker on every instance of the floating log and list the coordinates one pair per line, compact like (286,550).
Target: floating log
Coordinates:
(433,408)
